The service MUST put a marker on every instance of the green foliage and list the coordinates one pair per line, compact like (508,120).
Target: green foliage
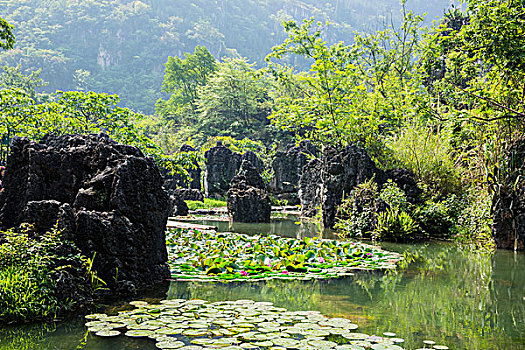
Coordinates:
(351,94)
(207,204)
(182,78)
(319,111)
(427,151)
(370,212)
(475,220)
(165,133)
(234,103)
(385,214)
(393,196)
(123,44)
(17,117)
(13,78)
(74,112)
(17,113)
(28,266)
(239,146)
(357,214)
(438,218)
(26,294)
(394,225)
(210,99)
(7,38)
(476,67)
(277,202)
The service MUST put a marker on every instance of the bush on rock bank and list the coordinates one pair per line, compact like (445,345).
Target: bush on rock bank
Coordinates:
(42,276)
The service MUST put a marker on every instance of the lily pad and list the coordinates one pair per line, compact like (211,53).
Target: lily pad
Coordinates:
(107,333)
(235,325)
(169,345)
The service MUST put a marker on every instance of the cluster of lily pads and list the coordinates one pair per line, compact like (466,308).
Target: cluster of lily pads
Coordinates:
(212,256)
(242,324)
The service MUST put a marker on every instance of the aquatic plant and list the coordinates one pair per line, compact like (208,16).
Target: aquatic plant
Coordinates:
(241,324)
(210,256)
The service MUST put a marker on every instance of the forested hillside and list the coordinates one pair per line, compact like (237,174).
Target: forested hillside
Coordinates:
(120,46)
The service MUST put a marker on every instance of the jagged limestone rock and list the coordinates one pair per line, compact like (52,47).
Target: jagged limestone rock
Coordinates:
(107,197)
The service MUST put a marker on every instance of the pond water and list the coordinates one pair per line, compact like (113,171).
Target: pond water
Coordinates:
(449,294)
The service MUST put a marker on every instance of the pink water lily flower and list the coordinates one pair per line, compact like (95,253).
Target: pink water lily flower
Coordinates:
(244,273)
(321,260)
(285,272)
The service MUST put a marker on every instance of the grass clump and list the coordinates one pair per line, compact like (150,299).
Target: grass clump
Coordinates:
(428,152)
(26,293)
(207,204)
(41,276)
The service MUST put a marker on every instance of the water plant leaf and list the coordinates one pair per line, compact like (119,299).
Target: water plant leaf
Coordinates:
(212,257)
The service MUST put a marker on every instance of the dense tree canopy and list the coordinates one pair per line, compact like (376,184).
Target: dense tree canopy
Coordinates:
(351,93)
(483,62)
(235,102)
(182,78)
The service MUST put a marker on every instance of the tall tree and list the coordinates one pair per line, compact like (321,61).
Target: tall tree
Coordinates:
(234,102)
(182,78)
(482,63)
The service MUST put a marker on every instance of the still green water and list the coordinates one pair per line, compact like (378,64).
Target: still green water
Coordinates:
(464,299)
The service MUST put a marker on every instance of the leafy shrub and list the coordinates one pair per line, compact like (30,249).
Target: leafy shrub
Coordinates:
(378,214)
(29,270)
(428,153)
(386,215)
(393,196)
(394,225)
(26,293)
(438,218)
(278,202)
(208,204)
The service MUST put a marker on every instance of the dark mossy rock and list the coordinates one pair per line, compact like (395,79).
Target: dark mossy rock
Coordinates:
(310,188)
(406,180)
(178,206)
(342,171)
(248,200)
(222,165)
(288,167)
(107,197)
(254,159)
(189,194)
